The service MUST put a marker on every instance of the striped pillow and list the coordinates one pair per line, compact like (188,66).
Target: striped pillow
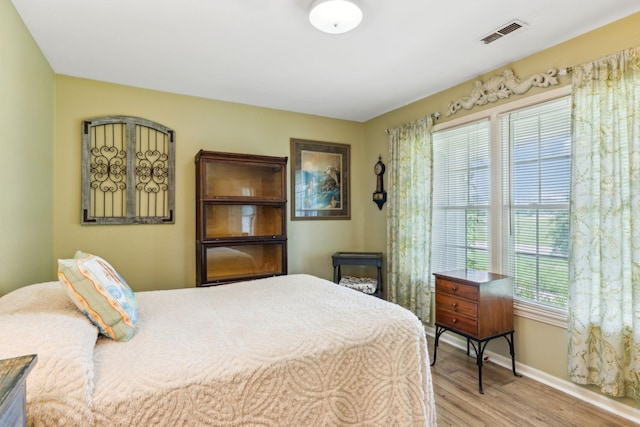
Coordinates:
(101,294)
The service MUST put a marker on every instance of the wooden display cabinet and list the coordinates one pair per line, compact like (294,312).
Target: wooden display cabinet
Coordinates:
(240,217)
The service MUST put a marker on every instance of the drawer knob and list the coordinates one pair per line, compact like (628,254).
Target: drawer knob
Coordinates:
(455,320)
(454,288)
(454,304)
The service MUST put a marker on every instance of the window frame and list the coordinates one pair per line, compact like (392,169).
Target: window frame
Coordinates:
(499,248)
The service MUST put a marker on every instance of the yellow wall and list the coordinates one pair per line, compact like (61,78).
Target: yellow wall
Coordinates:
(26,166)
(163,256)
(538,345)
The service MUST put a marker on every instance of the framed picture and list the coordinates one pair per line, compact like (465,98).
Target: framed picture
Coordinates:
(320,187)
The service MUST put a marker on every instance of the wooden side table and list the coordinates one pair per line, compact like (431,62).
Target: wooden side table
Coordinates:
(477,305)
(13,389)
(358,258)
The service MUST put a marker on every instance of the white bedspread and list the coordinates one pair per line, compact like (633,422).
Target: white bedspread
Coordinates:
(41,319)
(285,351)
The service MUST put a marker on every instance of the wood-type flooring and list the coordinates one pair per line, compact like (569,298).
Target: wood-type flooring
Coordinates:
(507,400)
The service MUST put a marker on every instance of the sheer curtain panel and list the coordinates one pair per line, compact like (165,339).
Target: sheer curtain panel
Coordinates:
(409,216)
(604,254)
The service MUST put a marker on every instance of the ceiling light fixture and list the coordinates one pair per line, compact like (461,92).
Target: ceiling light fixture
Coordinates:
(335,16)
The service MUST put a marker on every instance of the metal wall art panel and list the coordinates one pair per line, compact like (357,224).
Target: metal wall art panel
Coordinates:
(128,171)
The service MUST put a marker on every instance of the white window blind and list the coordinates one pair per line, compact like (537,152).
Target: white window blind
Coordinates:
(536,144)
(461,198)
(507,176)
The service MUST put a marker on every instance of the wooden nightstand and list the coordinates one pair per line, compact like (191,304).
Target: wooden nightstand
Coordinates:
(13,389)
(477,305)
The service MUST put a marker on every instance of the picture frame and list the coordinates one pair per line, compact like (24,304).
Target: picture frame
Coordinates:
(320,187)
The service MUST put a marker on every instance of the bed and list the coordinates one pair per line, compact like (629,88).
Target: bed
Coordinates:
(290,350)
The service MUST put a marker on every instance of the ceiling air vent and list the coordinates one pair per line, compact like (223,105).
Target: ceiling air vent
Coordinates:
(503,31)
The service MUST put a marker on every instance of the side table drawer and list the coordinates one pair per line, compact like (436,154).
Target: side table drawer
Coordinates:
(460,289)
(456,322)
(452,303)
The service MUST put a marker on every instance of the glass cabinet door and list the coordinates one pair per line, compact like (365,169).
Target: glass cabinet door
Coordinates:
(226,262)
(243,220)
(243,180)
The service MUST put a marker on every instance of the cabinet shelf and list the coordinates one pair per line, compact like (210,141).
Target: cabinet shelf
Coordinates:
(230,176)
(226,220)
(240,217)
(242,261)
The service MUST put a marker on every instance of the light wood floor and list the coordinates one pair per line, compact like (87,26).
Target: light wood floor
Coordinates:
(507,400)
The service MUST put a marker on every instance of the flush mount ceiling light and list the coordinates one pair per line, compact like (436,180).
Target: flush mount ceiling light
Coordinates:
(335,16)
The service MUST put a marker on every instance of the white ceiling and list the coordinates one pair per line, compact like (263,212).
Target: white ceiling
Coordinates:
(266,53)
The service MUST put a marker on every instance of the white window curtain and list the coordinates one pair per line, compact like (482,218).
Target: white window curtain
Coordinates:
(604,254)
(409,216)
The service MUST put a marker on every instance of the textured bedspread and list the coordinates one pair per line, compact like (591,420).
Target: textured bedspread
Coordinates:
(41,319)
(288,351)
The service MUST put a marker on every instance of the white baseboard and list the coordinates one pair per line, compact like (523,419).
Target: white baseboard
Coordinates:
(575,390)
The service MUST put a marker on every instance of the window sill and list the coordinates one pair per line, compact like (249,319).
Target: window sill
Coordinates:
(551,316)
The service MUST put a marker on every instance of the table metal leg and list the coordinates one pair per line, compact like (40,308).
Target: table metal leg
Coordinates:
(439,331)
(479,359)
(512,352)
(478,347)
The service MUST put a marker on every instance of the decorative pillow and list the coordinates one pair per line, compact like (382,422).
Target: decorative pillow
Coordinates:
(101,294)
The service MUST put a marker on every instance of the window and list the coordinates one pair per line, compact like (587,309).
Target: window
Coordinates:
(461,197)
(501,197)
(537,200)
(127,171)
